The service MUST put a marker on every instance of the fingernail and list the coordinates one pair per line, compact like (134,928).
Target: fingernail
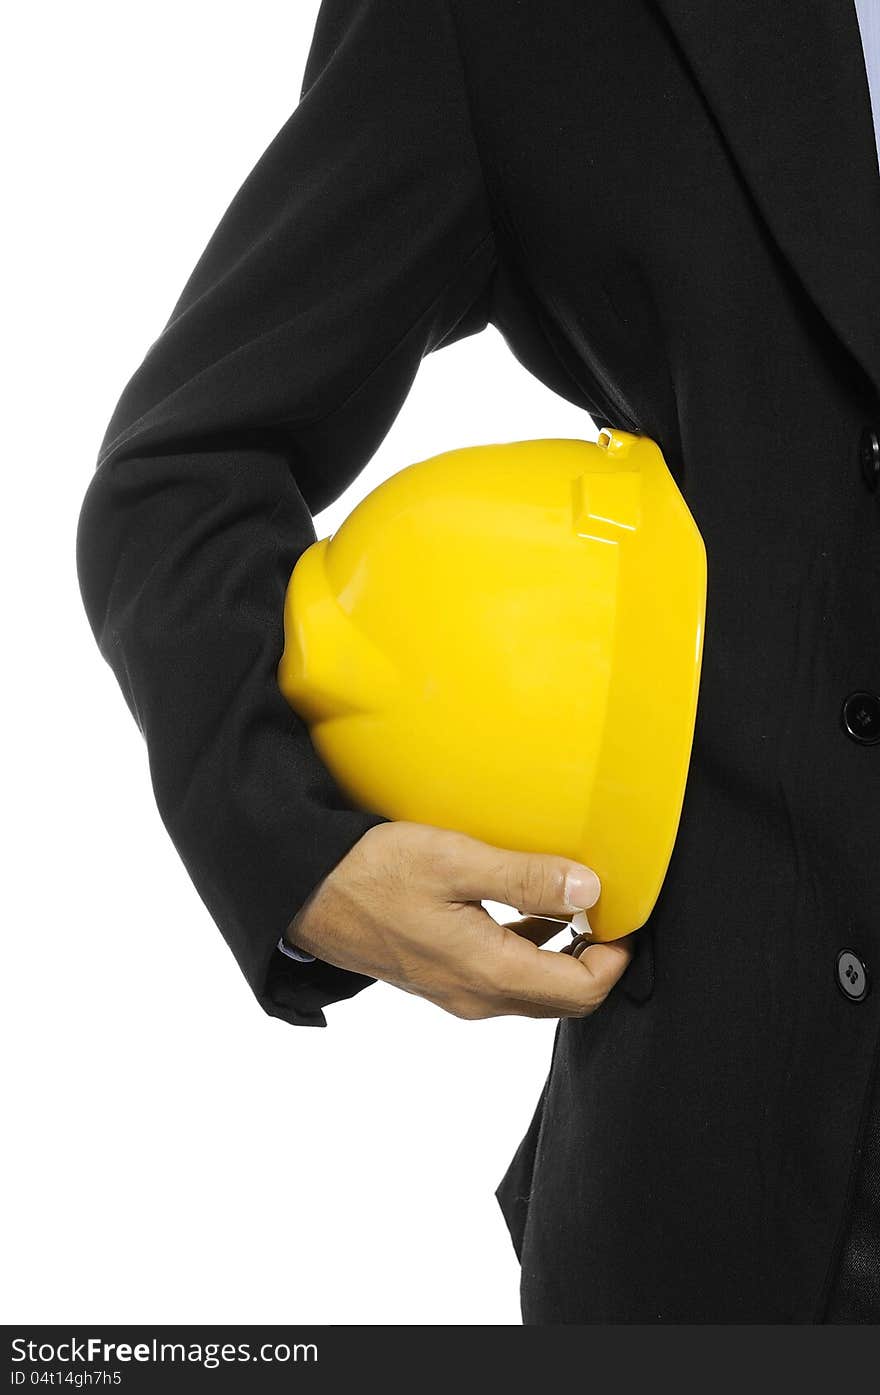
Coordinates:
(582,888)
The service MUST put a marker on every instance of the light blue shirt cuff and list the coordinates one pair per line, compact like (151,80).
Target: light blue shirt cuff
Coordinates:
(293,953)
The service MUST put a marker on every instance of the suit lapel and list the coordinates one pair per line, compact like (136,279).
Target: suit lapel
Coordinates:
(787,85)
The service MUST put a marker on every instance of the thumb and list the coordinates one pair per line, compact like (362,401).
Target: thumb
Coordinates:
(537,884)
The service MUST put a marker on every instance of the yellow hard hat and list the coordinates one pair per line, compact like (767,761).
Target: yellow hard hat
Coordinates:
(506,640)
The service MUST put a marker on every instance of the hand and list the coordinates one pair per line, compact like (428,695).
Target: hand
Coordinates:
(403,905)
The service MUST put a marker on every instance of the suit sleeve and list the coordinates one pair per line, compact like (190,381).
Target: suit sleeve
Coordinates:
(360,241)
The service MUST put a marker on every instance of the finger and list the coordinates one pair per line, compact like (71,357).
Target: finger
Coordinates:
(570,986)
(538,884)
(605,960)
(512,1008)
(538,929)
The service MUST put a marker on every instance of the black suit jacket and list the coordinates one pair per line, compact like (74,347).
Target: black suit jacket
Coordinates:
(671,211)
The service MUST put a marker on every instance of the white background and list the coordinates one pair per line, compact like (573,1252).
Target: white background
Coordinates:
(172,1154)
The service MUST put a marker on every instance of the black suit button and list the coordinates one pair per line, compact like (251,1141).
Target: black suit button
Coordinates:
(852,976)
(869,456)
(861,718)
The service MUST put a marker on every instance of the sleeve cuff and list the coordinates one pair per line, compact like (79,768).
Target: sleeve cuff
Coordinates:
(293,953)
